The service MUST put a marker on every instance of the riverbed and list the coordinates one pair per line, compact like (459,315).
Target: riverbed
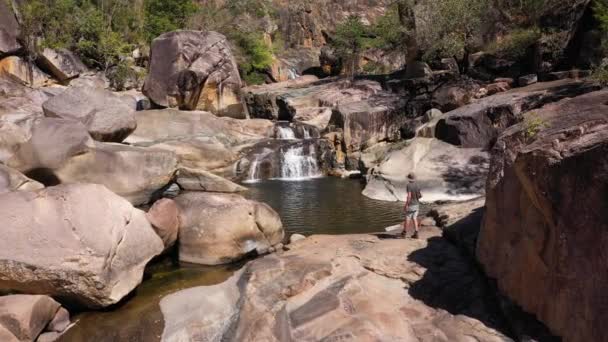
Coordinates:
(315,206)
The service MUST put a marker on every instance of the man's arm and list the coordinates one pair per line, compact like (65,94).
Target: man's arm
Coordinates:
(408,200)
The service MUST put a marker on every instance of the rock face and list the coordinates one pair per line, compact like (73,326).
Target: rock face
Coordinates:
(200,180)
(23,72)
(327,288)
(194,70)
(26,316)
(107,116)
(546,215)
(9,30)
(480,123)
(444,172)
(62,64)
(222,228)
(79,243)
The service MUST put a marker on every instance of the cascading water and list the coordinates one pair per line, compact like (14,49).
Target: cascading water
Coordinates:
(285,133)
(297,164)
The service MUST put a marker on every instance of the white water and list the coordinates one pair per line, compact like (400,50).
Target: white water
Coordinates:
(285,133)
(297,165)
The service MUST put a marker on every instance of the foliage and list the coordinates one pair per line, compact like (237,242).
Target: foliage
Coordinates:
(533,124)
(349,41)
(255,56)
(387,31)
(600,11)
(167,15)
(516,44)
(599,73)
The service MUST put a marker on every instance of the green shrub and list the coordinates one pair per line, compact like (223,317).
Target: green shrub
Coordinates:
(533,124)
(515,45)
(167,15)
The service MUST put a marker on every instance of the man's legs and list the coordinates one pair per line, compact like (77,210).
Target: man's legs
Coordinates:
(415,219)
(405,225)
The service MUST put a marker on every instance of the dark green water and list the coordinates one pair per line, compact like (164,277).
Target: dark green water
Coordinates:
(317,206)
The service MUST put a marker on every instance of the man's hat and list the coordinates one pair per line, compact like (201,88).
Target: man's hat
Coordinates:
(411,176)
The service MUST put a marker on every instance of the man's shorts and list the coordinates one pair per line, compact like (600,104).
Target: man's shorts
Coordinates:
(412,212)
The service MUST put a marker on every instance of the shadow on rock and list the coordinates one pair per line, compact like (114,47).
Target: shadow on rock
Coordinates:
(454,284)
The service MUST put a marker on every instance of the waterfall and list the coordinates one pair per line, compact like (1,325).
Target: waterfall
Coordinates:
(292,74)
(296,164)
(285,133)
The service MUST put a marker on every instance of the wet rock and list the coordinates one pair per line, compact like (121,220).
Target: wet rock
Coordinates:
(13,180)
(444,172)
(223,228)
(26,316)
(54,244)
(62,64)
(164,218)
(546,216)
(23,72)
(194,70)
(480,123)
(200,180)
(107,116)
(354,287)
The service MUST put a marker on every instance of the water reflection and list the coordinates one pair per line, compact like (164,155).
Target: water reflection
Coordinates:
(326,206)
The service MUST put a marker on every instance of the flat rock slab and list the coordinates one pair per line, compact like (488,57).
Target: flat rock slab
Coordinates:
(353,287)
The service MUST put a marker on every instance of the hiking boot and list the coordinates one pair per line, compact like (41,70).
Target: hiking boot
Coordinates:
(415,236)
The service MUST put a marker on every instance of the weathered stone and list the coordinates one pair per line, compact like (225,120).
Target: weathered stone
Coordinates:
(498,87)
(60,322)
(134,173)
(164,217)
(194,70)
(328,288)
(443,171)
(478,124)
(222,228)
(9,30)
(26,316)
(62,64)
(527,80)
(296,237)
(201,180)
(13,180)
(546,214)
(52,142)
(107,116)
(79,243)
(23,72)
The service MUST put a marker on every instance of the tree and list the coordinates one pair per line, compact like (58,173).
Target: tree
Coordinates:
(167,15)
(349,42)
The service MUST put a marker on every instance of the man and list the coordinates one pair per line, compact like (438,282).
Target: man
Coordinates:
(412,205)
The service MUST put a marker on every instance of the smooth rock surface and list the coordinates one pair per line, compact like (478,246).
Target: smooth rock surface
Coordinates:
(164,218)
(26,316)
(546,217)
(79,243)
(23,72)
(444,172)
(107,116)
(223,228)
(194,70)
(200,180)
(9,30)
(353,287)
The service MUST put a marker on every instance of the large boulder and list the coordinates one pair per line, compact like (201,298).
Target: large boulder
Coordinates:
(480,123)
(444,172)
(26,316)
(107,116)
(23,72)
(164,217)
(79,243)
(546,213)
(201,180)
(9,30)
(62,64)
(194,70)
(222,228)
(135,173)
(328,288)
